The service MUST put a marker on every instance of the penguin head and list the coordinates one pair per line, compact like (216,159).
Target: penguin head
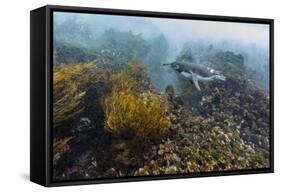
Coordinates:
(177,66)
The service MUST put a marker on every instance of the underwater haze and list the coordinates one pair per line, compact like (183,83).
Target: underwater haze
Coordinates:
(250,40)
(135,96)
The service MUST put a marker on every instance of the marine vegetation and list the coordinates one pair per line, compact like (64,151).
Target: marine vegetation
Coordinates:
(131,114)
(69,88)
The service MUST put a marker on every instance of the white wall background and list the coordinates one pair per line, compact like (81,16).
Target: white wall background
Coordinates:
(14,94)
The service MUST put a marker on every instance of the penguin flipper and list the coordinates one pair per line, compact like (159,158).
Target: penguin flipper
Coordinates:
(195,81)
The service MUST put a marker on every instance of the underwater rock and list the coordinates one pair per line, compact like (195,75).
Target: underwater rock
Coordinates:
(178,100)
(72,170)
(94,163)
(111,172)
(229,56)
(171,170)
(123,157)
(176,157)
(83,128)
(257,140)
(119,146)
(237,94)
(142,171)
(160,152)
(170,92)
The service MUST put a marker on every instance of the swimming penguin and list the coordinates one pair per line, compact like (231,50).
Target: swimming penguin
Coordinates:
(196,72)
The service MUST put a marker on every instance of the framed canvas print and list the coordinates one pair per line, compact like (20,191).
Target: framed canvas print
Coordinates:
(120,95)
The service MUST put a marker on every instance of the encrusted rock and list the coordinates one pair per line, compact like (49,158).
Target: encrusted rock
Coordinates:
(171,170)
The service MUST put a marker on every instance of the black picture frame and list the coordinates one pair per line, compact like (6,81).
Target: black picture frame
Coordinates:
(41,42)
